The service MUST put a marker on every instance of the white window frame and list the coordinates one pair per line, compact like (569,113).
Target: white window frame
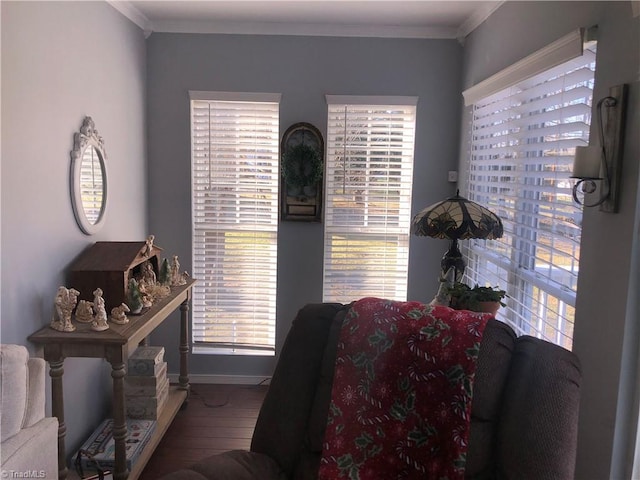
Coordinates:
(235,190)
(367,213)
(527,121)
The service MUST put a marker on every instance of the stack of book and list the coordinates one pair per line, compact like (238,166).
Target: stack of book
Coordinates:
(146,383)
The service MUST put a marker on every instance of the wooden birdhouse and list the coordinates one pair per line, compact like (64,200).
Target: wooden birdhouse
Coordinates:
(109,266)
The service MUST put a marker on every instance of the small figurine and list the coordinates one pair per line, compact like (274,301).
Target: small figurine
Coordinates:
(84,312)
(147,300)
(119,314)
(176,278)
(100,319)
(148,247)
(64,303)
(149,276)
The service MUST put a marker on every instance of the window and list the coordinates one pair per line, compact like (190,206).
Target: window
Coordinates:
(522,147)
(369,174)
(234,174)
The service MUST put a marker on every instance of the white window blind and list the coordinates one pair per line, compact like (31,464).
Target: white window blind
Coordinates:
(235,173)
(522,148)
(92,185)
(369,174)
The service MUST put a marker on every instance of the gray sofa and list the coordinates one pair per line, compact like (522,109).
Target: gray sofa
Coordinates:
(524,410)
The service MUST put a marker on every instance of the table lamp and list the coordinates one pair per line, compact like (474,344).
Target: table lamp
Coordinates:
(456,218)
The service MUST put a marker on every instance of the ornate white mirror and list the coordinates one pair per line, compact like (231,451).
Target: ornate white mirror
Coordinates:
(88,178)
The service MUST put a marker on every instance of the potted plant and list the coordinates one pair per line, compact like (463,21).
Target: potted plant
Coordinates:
(477,299)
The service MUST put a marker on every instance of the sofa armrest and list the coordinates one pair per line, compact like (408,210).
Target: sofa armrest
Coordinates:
(537,435)
(36,393)
(34,448)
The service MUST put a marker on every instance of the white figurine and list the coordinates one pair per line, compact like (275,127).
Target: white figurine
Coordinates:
(176,277)
(175,271)
(148,247)
(119,314)
(149,276)
(64,303)
(84,312)
(100,319)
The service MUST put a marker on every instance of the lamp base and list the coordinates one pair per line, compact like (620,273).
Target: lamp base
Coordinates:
(453,260)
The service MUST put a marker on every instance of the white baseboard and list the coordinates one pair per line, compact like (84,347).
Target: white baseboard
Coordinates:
(224,379)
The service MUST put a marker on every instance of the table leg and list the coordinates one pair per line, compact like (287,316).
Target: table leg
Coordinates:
(119,422)
(183,379)
(56,371)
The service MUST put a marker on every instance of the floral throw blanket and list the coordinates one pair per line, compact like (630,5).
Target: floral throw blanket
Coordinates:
(401,397)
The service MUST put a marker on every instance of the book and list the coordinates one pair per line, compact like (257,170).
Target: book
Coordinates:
(145,361)
(148,385)
(101,445)
(148,407)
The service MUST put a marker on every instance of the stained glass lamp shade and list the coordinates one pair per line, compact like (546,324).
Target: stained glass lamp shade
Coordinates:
(456,218)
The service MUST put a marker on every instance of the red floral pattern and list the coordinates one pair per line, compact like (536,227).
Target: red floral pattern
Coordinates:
(401,397)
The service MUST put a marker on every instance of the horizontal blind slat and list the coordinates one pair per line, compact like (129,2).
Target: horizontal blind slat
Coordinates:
(367,200)
(235,175)
(522,145)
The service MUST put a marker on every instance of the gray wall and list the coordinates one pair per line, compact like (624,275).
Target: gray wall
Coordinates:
(606,330)
(303,70)
(60,62)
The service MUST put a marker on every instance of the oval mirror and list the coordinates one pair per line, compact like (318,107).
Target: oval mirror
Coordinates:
(88,178)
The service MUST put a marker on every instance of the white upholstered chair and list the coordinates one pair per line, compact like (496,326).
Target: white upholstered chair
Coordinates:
(29,439)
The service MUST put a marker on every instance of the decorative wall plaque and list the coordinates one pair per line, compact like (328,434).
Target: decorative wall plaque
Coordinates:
(302,171)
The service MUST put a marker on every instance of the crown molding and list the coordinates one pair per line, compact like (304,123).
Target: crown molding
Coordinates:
(304,29)
(133,14)
(126,8)
(475,20)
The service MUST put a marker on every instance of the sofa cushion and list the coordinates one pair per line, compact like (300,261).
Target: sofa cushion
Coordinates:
(488,388)
(34,448)
(286,408)
(239,465)
(536,438)
(34,412)
(231,465)
(14,385)
(184,474)
(309,461)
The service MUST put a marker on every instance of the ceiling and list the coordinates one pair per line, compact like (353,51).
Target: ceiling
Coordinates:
(371,18)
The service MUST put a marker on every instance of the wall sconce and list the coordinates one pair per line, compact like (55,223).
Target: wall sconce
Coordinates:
(603,163)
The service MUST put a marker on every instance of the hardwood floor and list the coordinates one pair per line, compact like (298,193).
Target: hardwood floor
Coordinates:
(218,418)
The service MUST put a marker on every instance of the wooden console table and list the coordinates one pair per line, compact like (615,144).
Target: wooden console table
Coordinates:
(115,345)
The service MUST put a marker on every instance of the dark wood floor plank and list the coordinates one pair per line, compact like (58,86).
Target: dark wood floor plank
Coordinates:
(212,432)
(217,419)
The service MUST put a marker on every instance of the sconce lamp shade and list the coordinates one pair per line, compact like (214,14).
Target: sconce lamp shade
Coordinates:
(457,218)
(586,163)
